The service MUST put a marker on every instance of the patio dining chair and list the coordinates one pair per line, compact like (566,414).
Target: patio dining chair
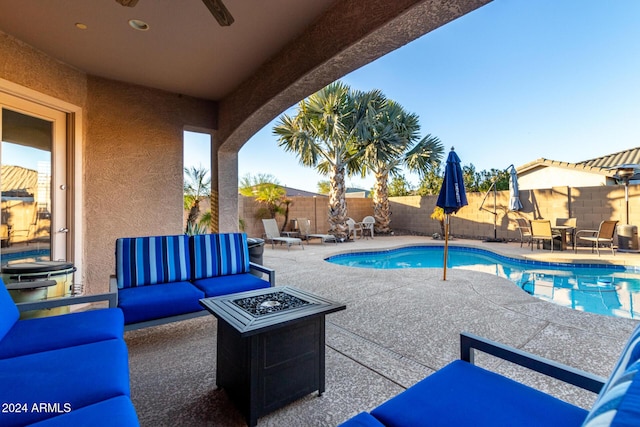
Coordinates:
(524,227)
(367,226)
(353,228)
(603,235)
(541,231)
(272,233)
(26,227)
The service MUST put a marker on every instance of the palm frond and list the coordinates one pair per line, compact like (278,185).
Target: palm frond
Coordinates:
(425,155)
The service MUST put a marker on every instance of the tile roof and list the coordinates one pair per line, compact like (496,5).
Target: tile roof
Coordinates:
(294,192)
(600,165)
(575,166)
(18,179)
(631,156)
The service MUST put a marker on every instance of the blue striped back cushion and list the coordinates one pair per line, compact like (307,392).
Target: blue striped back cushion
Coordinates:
(619,399)
(151,260)
(219,254)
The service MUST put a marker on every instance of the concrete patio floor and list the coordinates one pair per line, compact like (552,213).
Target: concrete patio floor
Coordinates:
(401,325)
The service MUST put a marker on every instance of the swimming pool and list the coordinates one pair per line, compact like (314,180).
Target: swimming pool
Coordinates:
(611,290)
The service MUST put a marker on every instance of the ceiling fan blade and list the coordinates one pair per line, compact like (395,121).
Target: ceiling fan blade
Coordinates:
(128,3)
(218,10)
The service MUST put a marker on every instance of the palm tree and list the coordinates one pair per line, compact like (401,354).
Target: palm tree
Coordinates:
(197,185)
(392,133)
(323,134)
(268,192)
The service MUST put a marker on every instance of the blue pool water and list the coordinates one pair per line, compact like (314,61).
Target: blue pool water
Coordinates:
(26,256)
(611,290)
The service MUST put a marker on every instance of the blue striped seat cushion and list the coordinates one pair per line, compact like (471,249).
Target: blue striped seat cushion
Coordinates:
(219,254)
(151,260)
(618,404)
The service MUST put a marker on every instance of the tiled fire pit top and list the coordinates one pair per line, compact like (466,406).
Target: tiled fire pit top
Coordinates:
(273,302)
(253,312)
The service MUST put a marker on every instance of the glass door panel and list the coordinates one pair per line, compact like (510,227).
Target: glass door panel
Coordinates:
(33,207)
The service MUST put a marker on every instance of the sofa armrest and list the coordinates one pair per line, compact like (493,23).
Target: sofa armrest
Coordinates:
(113,284)
(263,269)
(568,374)
(64,301)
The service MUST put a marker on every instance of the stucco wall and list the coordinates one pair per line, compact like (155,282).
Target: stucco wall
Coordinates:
(133,164)
(546,177)
(23,65)
(132,152)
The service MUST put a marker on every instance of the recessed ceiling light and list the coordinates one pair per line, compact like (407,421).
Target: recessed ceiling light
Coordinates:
(139,25)
(81,26)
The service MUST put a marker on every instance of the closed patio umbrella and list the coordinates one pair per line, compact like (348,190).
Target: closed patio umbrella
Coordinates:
(452,196)
(514,194)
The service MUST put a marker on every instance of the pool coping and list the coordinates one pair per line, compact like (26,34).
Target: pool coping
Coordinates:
(500,256)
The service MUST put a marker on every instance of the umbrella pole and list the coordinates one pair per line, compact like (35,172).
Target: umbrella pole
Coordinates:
(446,244)
(495,211)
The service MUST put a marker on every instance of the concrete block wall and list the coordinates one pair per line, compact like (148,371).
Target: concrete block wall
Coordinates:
(315,209)
(590,205)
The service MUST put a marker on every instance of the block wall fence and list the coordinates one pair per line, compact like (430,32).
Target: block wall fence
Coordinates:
(411,214)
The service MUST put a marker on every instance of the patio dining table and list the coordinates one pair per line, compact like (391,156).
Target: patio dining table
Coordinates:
(565,230)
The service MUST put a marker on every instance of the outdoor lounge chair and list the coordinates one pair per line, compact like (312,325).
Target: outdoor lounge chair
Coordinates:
(603,235)
(541,231)
(465,394)
(304,227)
(524,227)
(272,233)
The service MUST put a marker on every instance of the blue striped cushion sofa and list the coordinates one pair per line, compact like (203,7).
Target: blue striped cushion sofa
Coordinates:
(65,370)
(161,279)
(464,394)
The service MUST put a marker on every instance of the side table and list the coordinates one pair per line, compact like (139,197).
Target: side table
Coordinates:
(270,347)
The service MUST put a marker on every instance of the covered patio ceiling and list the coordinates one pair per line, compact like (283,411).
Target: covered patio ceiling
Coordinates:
(186,51)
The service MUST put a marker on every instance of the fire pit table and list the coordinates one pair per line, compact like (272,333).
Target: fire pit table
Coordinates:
(271,347)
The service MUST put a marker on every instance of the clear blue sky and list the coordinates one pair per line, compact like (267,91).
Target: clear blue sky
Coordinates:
(509,83)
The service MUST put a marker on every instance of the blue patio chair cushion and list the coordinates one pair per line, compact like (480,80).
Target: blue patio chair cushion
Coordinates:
(54,332)
(154,302)
(151,260)
(118,411)
(78,376)
(9,313)
(219,254)
(363,419)
(618,403)
(462,394)
(223,285)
